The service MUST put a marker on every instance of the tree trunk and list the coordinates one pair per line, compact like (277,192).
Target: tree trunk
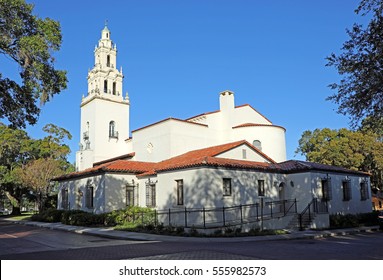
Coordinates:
(15,203)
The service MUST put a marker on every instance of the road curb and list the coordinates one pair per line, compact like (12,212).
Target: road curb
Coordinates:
(133,236)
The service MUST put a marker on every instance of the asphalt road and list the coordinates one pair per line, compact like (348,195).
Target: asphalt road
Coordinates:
(21,242)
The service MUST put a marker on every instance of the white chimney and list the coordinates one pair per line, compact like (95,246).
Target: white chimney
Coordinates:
(226,101)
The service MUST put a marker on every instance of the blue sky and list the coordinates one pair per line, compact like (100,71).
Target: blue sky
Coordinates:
(177,55)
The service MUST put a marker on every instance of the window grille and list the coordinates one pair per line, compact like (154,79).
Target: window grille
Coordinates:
(346,187)
(64,199)
(326,189)
(89,197)
(364,191)
(151,195)
(180,192)
(261,187)
(227,190)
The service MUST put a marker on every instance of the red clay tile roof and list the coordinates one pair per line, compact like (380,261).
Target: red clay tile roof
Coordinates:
(124,166)
(298,166)
(127,156)
(207,157)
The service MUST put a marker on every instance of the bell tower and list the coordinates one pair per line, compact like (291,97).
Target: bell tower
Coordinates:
(104,110)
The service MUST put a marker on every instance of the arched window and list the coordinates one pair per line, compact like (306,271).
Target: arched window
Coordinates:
(105,86)
(108,60)
(112,130)
(257,144)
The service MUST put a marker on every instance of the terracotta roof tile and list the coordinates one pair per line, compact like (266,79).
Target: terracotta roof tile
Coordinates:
(207,157)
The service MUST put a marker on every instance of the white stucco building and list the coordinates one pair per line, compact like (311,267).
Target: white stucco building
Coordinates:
(232,159)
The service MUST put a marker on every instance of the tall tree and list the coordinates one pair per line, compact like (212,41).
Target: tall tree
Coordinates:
(27,165)
(14,152)
(36,177)
(355,150)
(28,41)
(359,93)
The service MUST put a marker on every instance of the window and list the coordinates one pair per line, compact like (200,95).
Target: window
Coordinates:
(257,144)
(180,192)
(227,187)
(244,156)
(130,195)
(150,194)
(108,60)
(326,189)
(261,187)
(64,199)
(112,130)
(89,197)
(363,191)
(114,88)
(105,86)
(346,187)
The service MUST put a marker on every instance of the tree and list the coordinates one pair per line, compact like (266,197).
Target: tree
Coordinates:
(354,150)
(14,152)
(36,177)
(360,90)
(29,42)
(27,165)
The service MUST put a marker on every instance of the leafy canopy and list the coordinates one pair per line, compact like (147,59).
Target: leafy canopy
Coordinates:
(359,93)
(356,150)
(29,42)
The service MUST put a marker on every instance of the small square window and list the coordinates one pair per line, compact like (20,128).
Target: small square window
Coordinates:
(227,187)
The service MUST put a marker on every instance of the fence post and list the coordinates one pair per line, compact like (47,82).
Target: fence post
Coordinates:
(271,208)
(300,222)
(240,207)
(204,217)
(223,216)
(170,213)
(284,207)
(257,205)
(186,218)
(296,207)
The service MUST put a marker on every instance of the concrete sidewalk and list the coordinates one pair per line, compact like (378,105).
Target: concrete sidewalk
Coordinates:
(124,235)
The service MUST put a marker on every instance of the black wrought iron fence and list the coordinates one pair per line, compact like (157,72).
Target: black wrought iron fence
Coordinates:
(223,216)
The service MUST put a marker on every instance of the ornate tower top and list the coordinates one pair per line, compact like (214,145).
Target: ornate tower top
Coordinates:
(105,80)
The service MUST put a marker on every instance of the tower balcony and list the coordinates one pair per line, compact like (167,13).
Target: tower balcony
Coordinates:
(113,134)
(85,135)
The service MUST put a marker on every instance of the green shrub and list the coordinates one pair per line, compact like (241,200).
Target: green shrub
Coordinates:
(67,216)
(132,214)
(48,216)
(356,220)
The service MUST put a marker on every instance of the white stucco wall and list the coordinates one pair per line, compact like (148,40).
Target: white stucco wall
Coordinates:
(243,152)
(168,139)
(98,113)
(272,139)
(77,193)
(203,187)
(337,204)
